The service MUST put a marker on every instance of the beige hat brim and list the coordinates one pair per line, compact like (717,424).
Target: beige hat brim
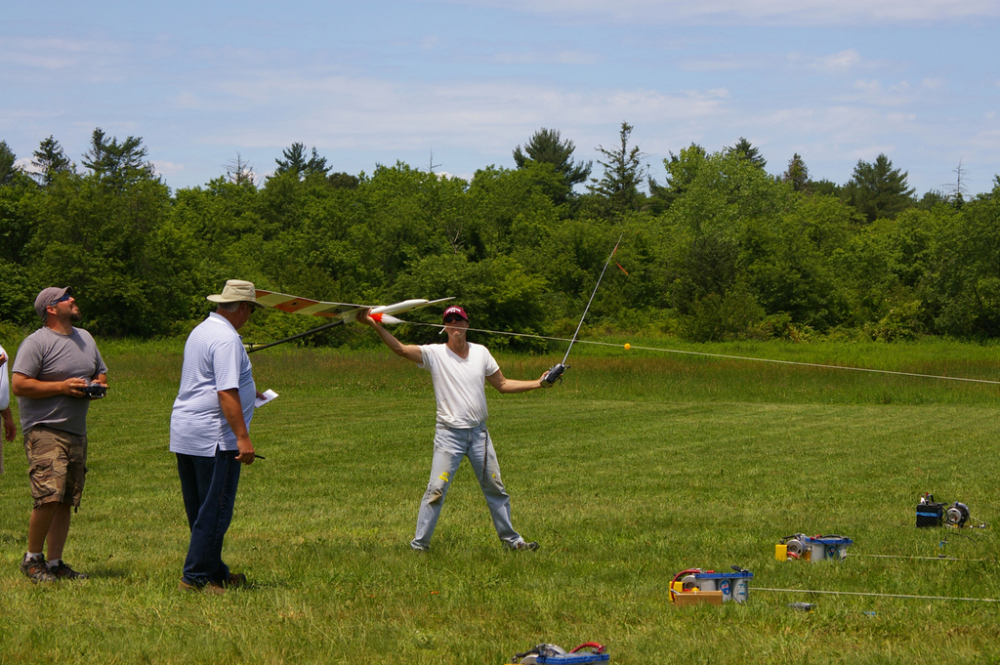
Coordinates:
(215,297)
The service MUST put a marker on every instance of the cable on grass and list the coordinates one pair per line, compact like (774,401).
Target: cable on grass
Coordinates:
(906,556)
(879,595)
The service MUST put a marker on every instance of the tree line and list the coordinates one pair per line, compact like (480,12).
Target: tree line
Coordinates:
(714,247)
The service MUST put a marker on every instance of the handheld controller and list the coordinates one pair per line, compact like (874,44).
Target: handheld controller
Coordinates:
(555,373)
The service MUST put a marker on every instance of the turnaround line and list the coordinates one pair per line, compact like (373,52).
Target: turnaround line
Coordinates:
(723,355)
(880,595)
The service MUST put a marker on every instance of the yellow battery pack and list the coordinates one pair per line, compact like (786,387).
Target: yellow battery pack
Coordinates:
(781,552)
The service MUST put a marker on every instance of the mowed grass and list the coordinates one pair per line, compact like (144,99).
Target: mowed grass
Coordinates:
(637,466)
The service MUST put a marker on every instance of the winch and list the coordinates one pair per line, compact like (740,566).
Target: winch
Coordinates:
(932,513)
(812,548)
(710,586)
(588,652)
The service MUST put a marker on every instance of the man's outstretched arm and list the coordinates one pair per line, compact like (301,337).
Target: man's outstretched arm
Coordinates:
(409,351)
(505,385)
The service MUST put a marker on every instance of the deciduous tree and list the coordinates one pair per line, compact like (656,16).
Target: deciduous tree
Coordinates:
(7,168)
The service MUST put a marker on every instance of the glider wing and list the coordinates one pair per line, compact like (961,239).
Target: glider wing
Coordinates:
(297,305)
(338,310)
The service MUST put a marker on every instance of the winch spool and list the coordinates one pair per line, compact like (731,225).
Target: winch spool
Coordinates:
(957,515)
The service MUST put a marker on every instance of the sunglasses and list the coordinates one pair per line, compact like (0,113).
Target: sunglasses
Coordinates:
(453,319)
(63,299)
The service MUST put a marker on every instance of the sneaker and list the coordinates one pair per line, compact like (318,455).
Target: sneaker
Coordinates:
(216,589)
(418,548)
(522,545)
(37,570)
(62,571)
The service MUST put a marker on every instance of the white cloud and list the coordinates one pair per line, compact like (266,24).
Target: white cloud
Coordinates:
(755,12)
(363,113)
(569,57)
(95,59)
(167,168)
(872,91)
(188,100)
(733,62)
(836,63)
(25,165)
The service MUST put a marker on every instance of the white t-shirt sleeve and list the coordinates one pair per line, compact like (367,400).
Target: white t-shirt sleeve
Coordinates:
(491,365)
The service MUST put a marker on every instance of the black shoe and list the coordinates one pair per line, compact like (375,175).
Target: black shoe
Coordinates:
(36,569)
(62,571)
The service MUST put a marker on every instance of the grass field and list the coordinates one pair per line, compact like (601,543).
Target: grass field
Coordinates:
(638,465)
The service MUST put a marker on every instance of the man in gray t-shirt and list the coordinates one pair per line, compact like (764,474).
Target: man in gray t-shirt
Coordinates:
(57,372)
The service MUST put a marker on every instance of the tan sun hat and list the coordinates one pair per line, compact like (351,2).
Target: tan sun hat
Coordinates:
(236,290)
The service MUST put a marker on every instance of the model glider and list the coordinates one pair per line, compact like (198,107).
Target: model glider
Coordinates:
(341,312)
(344,311)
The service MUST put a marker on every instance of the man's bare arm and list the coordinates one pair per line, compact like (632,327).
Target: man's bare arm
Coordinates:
(25,386)
(505,385)
(409,351)
(232,409)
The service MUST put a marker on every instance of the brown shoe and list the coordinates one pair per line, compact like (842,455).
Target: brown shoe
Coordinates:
(234,581)
(37,570)
(207,588)
(64,572)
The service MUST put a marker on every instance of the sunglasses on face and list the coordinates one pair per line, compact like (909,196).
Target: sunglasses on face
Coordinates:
(63,299)
(453,319)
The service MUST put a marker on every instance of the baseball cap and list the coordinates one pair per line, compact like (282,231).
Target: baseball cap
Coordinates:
(47,297)
(455,310)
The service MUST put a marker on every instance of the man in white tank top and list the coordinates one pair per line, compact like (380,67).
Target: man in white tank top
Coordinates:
(459,371)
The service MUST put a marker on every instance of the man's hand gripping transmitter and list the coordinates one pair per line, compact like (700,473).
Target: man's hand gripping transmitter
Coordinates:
(555,374)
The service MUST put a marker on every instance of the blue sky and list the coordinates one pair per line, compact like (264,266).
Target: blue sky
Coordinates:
(469,80)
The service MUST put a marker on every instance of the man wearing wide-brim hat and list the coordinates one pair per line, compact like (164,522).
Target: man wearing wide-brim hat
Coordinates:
(210,432)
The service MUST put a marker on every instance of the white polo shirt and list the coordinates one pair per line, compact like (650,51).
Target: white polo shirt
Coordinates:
(214,360)
(459,383)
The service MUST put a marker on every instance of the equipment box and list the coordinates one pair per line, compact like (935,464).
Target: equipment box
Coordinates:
(929,514)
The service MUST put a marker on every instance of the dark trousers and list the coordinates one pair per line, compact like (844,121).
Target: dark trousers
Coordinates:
(209,488)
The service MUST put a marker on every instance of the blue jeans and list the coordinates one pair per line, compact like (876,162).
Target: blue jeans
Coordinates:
(209,488)
(450,446)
